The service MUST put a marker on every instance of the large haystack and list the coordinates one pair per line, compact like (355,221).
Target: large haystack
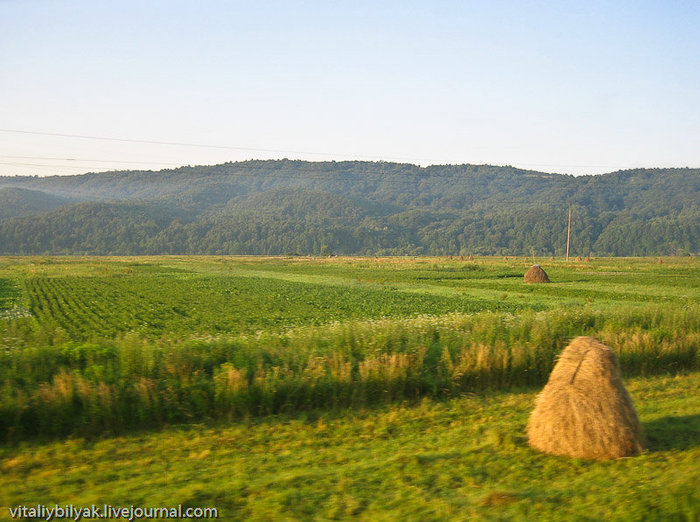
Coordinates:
(584,410)
(536,275)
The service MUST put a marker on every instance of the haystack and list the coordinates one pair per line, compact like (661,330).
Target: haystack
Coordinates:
(584,410)
(536,275)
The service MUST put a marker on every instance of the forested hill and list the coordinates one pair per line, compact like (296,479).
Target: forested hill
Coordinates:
(284,207)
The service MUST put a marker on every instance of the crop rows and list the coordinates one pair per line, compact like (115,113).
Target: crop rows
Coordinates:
(92,307)
(79,306)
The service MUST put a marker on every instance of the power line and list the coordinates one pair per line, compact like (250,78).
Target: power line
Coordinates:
(273,151)
(202,145)
(93,160)
(44,165)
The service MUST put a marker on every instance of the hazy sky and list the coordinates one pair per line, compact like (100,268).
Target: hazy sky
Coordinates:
(576,87)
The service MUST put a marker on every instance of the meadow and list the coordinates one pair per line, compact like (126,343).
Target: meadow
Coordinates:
(321,372)
(458,459)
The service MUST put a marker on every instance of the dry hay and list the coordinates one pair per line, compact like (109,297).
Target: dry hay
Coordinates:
(660,261)
(551,258)
(584,411)
(587,260)
(536,275)
(578,258)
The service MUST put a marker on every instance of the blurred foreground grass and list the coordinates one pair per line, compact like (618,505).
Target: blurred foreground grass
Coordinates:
(464,458)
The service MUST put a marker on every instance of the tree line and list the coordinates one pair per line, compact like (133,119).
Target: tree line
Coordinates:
(353,208)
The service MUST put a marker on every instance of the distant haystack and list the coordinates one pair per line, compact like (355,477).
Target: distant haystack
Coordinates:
(584,410)
(551,258)
(587,260)
(536,275)
(578,258)
(660,261)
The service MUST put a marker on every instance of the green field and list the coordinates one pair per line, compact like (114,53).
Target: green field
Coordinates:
(103,297)
(297,388)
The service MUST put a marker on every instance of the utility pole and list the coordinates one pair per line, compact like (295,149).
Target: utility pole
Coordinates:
(568,234)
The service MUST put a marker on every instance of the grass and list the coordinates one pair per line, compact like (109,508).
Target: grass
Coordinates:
(89,298)
(136,382)
(460,459)
(108,345)
(8,294)
(91,307)
(306,388)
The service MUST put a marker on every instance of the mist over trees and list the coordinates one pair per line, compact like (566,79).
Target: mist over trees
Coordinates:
(365,208)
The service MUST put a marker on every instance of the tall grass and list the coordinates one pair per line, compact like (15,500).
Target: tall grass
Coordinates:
(53,387)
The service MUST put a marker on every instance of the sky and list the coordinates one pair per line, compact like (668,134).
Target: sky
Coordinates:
(570,87)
